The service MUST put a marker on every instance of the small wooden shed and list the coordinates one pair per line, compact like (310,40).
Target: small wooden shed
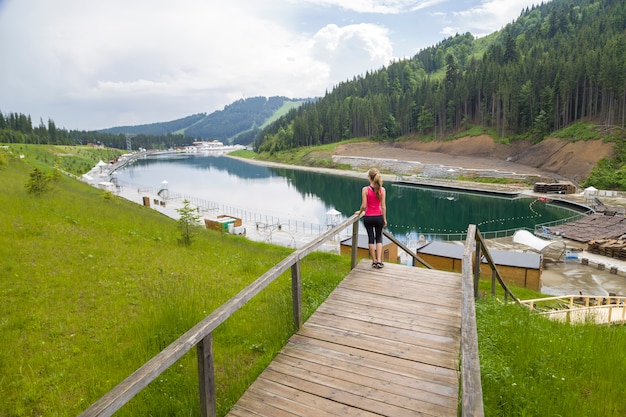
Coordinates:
(222,222)
(522,269)
(390,249)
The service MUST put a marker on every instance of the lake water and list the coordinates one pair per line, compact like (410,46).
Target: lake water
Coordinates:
(305,196)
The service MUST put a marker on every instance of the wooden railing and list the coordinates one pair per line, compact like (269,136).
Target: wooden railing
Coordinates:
(471,388)
(483,251)
(201,335)
(407,250)
(599,309)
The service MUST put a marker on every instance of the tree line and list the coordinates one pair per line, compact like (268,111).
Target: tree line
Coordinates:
(18,128)
(238,122)
(558,63)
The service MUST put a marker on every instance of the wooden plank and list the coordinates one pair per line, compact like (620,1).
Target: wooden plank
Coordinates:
(329,363)
(348,393)
(445,311)
(446,341)
(385,342)
(428,293)
(368,386)
(376,314)
(389,347)
(266,396)
(387,390)
(305,404)
(378,361)
(420,279)
(432,295)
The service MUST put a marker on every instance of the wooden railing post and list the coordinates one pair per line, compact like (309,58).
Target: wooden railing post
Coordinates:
(355,243)
(477,261)
(296,294)
(206,377)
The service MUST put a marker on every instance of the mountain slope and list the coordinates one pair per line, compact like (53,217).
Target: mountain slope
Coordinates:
(226,125)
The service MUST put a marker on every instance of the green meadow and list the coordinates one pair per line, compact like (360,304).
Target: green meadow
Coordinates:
(92,286)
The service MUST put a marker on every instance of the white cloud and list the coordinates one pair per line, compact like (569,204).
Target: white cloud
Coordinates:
(350,49)
(377,6)
(491,15)
(90,65)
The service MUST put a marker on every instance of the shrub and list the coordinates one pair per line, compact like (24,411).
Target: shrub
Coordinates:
(38,182)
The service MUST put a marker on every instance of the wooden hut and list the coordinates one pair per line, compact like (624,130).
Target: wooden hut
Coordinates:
(222,223)
(522,269)
(390,249)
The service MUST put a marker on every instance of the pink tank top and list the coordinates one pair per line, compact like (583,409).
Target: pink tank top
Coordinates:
(373,203)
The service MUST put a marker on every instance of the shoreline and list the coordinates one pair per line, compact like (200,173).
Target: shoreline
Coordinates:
(618,200)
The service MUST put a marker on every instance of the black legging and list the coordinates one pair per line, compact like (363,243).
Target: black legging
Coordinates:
(374,226)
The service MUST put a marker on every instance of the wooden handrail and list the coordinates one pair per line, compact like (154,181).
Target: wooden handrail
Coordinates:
(471,387)
(603,309)
(587,300)
(474,251)
(200,335)
(481,248)
(407,250)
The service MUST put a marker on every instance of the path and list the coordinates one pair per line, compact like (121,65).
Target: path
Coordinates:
(385,342)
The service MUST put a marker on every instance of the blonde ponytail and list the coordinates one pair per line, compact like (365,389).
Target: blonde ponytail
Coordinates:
(376,179)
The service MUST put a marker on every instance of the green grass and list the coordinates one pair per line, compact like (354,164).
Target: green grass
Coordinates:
(579,131)
(283,110)
(76,160)
(531,366)
(489,180)
(91,287)
(311,156)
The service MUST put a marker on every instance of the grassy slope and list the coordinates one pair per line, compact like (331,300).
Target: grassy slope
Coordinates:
(92,286)
(283,110)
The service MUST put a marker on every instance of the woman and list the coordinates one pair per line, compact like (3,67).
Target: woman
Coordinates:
(375,218)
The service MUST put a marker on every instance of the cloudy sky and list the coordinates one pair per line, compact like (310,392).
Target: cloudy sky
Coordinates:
(92,64)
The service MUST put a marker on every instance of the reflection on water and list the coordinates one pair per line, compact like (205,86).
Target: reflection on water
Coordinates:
(308,196)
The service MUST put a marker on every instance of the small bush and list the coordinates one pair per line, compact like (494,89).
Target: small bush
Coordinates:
(188,223)
(38,182)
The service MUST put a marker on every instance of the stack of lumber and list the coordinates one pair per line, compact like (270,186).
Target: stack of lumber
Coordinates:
(608,247)
(555,188)
(592,227)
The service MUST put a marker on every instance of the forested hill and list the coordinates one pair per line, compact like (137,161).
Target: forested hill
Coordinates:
(245,116)
(556,64)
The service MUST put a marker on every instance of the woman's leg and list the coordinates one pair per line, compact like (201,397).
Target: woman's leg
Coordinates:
(372,248)
(378,232)
(371,236)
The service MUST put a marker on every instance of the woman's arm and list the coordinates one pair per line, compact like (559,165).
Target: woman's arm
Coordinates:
(363,200)
(383,204)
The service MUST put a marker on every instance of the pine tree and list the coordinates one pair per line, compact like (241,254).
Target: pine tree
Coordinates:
(188,223)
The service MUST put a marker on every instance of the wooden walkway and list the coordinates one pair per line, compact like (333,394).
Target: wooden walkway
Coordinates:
(385,343)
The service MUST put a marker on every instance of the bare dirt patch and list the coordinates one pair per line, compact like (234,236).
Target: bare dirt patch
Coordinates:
(552,158)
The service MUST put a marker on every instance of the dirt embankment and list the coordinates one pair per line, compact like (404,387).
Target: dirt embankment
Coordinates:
(552,158)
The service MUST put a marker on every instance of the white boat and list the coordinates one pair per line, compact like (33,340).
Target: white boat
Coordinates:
(214,146)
